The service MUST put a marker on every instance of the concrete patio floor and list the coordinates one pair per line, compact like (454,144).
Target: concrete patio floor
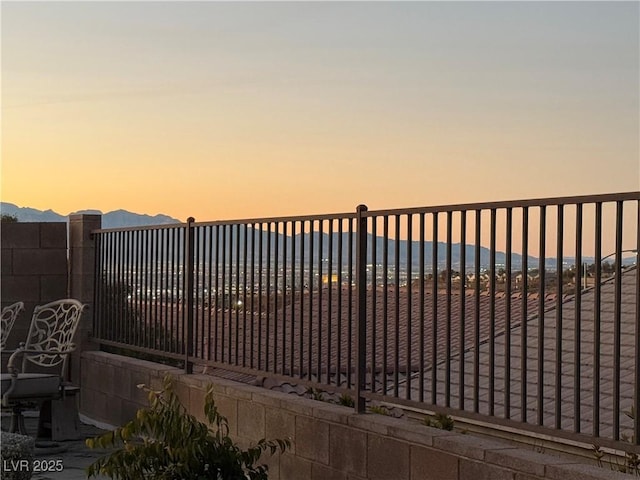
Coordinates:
(75,455)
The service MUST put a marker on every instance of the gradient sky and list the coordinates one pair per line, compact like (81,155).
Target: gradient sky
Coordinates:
(235,110)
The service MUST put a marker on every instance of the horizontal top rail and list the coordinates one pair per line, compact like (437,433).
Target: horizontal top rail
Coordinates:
(553,201)
(609,197)
(244,221)
(301,218)
(141,227)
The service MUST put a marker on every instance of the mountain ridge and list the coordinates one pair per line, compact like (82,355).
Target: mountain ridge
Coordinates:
(113,219)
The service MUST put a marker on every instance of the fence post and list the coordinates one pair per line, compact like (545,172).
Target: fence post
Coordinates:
(189,293)
(361,312)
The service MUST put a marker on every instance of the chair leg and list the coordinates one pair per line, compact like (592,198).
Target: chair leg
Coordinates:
(44,420)
(17,421)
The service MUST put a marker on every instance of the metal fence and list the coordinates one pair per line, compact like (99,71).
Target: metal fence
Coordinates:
(524,314)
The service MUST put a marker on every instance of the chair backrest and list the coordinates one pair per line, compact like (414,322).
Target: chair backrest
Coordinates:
(9,315)
(53,326)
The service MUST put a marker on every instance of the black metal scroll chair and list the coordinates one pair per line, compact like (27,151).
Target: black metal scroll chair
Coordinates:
(46,349)
(8,318)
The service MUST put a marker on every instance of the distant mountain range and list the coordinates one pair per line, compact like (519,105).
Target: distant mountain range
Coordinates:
(409,252)
(115,219)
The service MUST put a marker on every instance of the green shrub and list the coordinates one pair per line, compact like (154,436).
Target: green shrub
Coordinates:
(164,442)
(346,400)
(441,421)
(315,393)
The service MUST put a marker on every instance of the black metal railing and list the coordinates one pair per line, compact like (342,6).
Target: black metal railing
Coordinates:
(505,313)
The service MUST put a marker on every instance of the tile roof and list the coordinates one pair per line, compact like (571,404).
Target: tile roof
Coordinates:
(323,328)
(324,323)
(573,384)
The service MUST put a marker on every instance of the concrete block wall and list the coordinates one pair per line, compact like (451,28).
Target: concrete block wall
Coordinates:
(33,268)
(329,442)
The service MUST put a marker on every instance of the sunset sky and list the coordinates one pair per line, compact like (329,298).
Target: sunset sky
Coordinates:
(236,109)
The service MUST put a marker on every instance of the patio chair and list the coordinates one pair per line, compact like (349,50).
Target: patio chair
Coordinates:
(47,347)
(9,315)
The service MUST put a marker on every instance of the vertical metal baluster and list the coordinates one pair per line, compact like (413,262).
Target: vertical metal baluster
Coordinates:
(167,307)
(311,288)
(329,363)
(463,307)
(110,281)
(164,268)
(617,319)
(217,342)
(115,319)
(283,347)
(374,298)
(254,233)
(179,322)
(157,321)
(150,326)
(226,303)
(577,336)
(116,285)
(447,314)
(476,315)
(320,297)
(173,289)
(302,303)
(541,305)
(189,274)
(148,289)
(350,304)
(182,319)
(596,320)
(559,322)
(409,261)
(421,333)
(525,312)
(636,395)
(121,280)
(261,291)
(396,337)
(492,315)
(232,331)
(237,296)
(385,303)
(198,295)
(434,318)
(128,283)
(361,314)
(268,306)
(339,264)
(210,282)
(245,241)
(131,309)
(507,325)
(144,285)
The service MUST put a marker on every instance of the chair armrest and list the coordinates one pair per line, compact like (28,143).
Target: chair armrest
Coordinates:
(9,391)
(21,350)
(11,368)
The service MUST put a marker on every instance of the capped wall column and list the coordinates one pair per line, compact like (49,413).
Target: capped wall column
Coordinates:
(82,252)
